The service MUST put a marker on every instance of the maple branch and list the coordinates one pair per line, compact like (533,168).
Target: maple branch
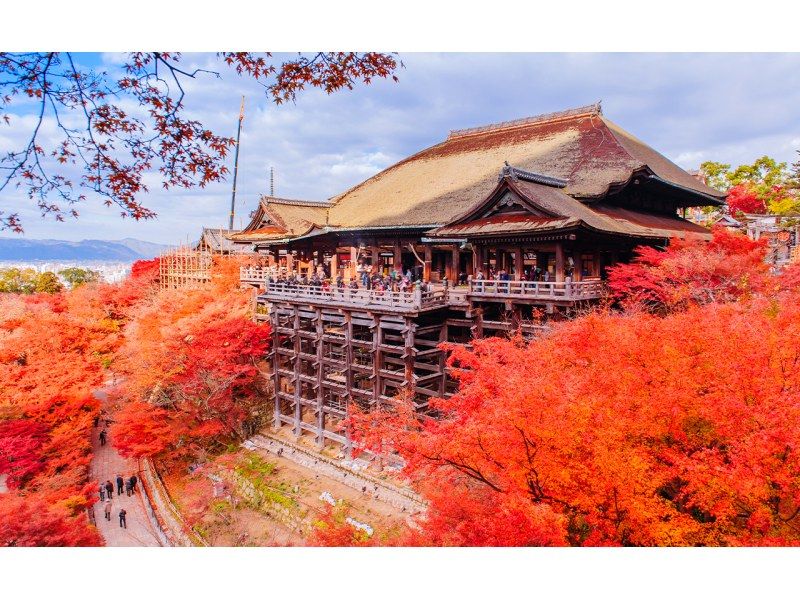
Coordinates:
(466,469)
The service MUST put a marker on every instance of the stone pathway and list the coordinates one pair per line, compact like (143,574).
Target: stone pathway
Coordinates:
(106,464)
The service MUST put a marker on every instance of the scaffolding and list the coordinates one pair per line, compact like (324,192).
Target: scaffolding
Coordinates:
(185,268)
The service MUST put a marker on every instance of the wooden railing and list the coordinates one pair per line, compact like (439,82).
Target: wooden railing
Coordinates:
(413,300)
(258,274)
(570,291)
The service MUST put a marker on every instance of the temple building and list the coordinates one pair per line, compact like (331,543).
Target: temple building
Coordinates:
(497,229)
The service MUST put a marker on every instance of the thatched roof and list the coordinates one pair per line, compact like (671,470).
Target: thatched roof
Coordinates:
(588,152)
(436,185)
(218,240)
(278,218)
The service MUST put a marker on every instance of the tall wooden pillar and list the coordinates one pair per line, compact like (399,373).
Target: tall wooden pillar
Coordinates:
(334,264)
(375,252)
(408,354)
(398,256)
(351,274)
(426,270)
(518,263)
(290,260)
(454,266)
(319,329)
(377,359)
(296,334)
(443,360)
(559,262)
(276,425)
(577,270)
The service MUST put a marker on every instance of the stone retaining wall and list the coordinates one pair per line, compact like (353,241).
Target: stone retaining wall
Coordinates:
(398,497)
(168,521)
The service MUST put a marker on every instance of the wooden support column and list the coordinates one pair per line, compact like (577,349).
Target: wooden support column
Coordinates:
(426,270)
(577,270)
(480,259)
(353,264)
(477,322)
(408,354)
(334,264)
(518,263)
(320,345)
(377,360)
(276,424)
(297,430)
(348,338)
(398,256)
(290,260)
(455,256)
(375,252)
(559,262)
(443,360)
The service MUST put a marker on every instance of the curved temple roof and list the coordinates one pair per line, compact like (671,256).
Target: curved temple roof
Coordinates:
(581,149)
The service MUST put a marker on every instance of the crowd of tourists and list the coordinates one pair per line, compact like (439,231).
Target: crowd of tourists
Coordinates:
(367,277)
(395,280)
(106,491)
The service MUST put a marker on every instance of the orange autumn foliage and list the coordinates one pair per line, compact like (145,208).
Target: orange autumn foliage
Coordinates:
(620,428)
(190,361)
(53,353)
(729,267)
(617,429)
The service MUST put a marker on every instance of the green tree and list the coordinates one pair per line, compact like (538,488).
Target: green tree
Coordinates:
(767,178)
(763,175)
(75,277)
(18,280)
(715,174)
(794,183)
(48,282)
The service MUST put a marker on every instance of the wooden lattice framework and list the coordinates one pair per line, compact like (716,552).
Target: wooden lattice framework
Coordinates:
(185,268)
(325,358)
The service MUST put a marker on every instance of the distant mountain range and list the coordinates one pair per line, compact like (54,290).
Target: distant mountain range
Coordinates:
(124,250)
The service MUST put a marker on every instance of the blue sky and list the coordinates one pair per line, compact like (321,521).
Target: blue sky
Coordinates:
(691,107)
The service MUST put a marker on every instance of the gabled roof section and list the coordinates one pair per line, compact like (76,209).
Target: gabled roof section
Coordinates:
(530,193)
(579,146)
(278,218)
(550,208)
(218,239)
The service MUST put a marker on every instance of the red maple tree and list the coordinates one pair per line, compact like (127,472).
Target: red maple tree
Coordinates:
(691,272)
(742,199)
(620,428)
(191,364)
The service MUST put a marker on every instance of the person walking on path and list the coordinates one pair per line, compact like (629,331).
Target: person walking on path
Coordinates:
(133,479)
(122,522)
(120,484)
(103,435)
(109,489)
(128,487)
(107,509)
(102,492)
